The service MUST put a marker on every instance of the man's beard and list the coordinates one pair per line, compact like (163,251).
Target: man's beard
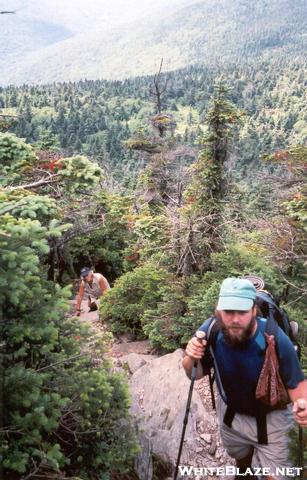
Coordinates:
(233,340)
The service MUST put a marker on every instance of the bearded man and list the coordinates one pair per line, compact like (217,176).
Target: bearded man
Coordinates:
(254,434)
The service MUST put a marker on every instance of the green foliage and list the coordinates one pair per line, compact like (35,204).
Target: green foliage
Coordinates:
(95,118)
(16,157)
(208,184)
(165,324)
(106,246)
(133,293)
(205,195)
(141,143)
(24,204)
(46,404)
(62,410)
(78,172)
(152,233)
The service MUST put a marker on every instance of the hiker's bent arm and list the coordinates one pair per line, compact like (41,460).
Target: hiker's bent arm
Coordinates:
(297,395)
(194,352)
(79,299)
(104,284)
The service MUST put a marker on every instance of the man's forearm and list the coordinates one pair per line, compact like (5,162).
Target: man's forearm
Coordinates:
(299,392)
(298,396)
(188,364)
(79,299)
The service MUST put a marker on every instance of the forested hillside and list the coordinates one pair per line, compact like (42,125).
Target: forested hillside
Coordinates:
(166,185)
(96,117)
(165,245)
(211,32)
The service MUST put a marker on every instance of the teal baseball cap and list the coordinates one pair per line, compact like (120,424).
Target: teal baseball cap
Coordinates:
(236,294)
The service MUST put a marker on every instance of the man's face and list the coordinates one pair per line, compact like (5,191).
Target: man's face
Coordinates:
(88,277)
(237,326)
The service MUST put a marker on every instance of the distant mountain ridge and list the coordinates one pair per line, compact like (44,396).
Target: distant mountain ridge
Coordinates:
(210,31)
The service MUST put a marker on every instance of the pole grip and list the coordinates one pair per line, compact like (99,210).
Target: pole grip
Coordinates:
(200,335)
(302,404)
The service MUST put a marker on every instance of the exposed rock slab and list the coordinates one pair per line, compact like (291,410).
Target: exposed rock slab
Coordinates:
(124,348)
(159,392)
(134,361)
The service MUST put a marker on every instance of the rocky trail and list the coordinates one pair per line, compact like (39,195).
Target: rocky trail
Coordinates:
(159,390)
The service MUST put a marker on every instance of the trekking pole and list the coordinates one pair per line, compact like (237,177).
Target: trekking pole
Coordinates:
(301,406)
(200,335)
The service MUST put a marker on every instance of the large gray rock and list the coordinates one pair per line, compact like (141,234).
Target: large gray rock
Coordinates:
(134,361)
(159,392)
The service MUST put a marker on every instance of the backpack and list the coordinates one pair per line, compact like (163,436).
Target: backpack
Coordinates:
(276,317)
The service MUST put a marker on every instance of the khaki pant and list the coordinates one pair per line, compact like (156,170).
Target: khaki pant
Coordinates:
(242,435)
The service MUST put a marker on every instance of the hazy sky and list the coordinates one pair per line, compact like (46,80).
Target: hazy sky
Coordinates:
(76,14)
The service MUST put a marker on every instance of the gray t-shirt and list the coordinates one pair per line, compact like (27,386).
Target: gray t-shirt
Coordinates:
(94,289)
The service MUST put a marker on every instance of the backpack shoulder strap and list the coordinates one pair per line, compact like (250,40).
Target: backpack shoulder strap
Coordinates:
(211,337)
(271,327)
(212,333)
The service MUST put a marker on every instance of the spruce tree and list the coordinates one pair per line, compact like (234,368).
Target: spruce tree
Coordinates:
(63,413)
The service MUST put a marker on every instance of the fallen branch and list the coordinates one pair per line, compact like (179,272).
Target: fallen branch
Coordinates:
(38,183)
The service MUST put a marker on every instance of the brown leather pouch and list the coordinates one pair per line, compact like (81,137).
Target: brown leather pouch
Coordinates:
(270,388)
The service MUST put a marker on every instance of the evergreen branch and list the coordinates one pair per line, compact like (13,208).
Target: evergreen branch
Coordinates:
(13,207)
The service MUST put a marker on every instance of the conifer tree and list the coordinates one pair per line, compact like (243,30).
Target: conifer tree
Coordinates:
(204,197)
(62,411)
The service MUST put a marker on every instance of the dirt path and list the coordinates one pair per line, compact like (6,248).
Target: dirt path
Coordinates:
(123,344)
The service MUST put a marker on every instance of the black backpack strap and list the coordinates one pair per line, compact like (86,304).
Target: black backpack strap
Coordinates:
(211,337)
(212,332)
(271,327)
(262,434)
(229,416)
(209,361)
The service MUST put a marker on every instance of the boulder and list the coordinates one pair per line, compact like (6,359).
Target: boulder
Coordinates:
(134,361)
(159,391)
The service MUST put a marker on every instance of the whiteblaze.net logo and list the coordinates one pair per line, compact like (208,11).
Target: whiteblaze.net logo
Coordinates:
(186,470)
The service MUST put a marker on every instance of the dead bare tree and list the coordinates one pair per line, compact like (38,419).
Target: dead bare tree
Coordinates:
(158,89)
(160,121)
